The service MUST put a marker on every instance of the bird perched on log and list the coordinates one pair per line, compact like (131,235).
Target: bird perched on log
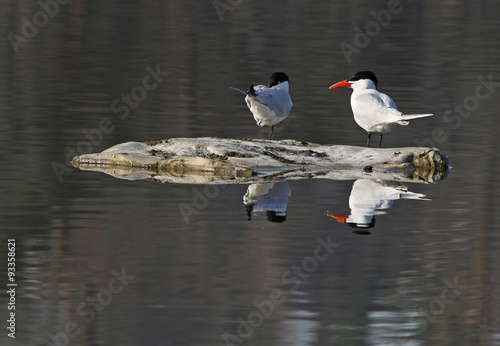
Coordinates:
(269,103)
(373,110)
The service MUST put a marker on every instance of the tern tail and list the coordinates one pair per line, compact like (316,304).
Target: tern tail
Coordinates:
(250,92)
(414,116)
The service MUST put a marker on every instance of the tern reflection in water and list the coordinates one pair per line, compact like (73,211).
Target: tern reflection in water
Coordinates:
(369,198)
(269,197)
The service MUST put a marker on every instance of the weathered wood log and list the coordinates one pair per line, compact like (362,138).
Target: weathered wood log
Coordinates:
(230,161)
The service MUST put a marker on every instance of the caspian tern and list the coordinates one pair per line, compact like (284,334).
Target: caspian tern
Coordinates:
(373,111)
(269,104)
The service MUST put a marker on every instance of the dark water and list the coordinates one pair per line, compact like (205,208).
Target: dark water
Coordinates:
(103,261)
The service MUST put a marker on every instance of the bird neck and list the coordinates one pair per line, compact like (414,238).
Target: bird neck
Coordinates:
(363,84)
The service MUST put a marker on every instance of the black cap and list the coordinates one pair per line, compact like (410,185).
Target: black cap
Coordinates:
(277,78)
(364,75)
(273,216)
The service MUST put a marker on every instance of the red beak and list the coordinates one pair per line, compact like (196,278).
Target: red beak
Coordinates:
(343,84)
(339,218)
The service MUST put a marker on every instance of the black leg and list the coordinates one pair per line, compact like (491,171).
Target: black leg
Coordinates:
(380,143)
(272,130)
(249,208)
(368,140)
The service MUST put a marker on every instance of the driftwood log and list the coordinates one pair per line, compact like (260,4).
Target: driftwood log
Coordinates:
(232,161)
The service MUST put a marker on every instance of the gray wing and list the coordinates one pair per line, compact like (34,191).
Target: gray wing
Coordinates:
(375,108)
(276,99)
(388,101)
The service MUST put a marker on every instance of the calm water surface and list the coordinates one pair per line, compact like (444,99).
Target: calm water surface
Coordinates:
(104,261)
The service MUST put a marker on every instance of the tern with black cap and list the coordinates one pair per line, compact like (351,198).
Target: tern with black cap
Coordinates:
(269,103)
(373,110)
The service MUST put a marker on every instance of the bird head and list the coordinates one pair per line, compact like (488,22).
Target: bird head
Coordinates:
(277,78)
(364,79)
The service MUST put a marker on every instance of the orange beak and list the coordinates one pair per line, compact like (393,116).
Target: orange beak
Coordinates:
(343,84)
(339,218)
